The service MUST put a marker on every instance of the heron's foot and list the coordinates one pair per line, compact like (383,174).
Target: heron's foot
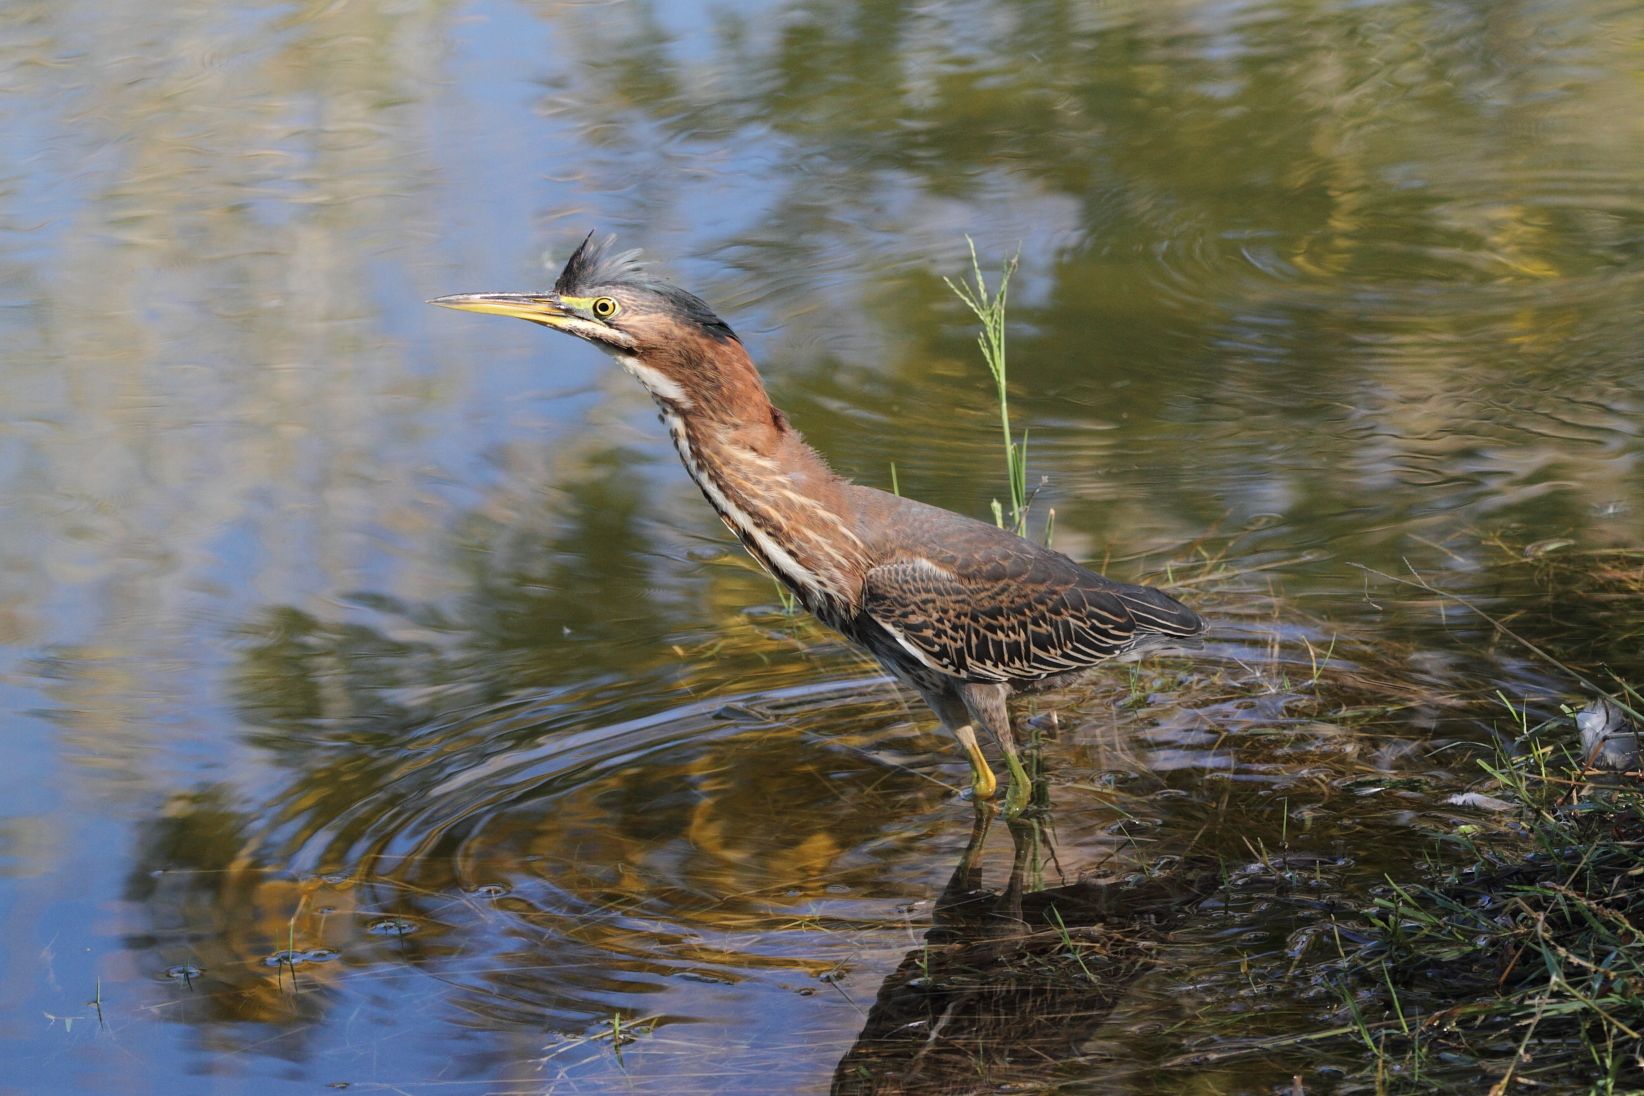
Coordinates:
(983,784)
(1021,786)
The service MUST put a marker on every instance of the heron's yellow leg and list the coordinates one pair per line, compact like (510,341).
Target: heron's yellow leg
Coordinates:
(982,779)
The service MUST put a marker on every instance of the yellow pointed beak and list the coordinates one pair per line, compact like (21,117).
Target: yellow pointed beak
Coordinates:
(543,308)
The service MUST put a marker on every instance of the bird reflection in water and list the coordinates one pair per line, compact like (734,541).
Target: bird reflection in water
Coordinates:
(1009,983)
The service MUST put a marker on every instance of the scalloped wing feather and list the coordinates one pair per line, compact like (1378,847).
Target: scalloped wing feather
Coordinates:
(1020,617)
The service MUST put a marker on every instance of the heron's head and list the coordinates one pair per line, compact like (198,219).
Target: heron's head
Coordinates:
(668,338)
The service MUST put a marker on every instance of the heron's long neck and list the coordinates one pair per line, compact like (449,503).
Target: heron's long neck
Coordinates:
(783,503)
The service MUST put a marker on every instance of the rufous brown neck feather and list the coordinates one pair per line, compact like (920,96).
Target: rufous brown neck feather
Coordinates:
(773,491)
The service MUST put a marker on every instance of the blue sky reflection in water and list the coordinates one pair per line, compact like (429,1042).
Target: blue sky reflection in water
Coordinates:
(394,643)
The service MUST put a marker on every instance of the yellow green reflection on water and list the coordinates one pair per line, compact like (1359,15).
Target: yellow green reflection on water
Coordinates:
(385,707)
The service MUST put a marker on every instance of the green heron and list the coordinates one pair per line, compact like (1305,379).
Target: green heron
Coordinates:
(963,612)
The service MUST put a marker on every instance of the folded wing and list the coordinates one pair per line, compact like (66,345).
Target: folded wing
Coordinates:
(1016,613)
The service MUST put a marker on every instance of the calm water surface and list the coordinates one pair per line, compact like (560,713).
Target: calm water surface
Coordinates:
(385,708)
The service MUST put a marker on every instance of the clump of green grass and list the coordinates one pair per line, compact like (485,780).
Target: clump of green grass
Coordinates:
(1523,961)
(989,306)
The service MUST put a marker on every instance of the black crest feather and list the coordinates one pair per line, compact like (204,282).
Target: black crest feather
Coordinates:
(593,265)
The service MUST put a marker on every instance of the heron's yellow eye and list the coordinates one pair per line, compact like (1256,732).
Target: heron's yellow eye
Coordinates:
(605,308)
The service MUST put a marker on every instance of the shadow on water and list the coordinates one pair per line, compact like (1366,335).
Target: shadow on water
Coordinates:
(1007,981)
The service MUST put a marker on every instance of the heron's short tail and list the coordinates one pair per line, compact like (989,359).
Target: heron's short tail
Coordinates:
(1152,643)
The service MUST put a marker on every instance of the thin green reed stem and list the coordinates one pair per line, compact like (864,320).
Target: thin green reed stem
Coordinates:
(990,309)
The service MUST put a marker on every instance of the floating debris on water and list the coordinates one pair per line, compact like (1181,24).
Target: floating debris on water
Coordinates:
(1542,547)
(391,926)
(1479,800)
(1608,738)
(296,958)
